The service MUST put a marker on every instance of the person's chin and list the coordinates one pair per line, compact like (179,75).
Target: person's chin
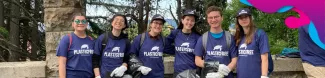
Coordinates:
(189,27)
(81,29)
(158,31)
(215,26)
(118,28)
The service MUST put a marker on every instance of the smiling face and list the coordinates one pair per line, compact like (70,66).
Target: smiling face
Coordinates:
(188,22)
(156,26)
(214,19)
(79,23)
(118,23)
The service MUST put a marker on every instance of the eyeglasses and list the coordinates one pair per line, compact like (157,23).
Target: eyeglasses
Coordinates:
(82,21)
(213,17)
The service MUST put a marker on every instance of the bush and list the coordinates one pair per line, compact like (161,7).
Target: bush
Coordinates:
(277,46)
(3,32)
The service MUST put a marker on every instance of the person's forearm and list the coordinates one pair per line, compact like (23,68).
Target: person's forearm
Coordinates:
(62,67)
(264,64)
(96,72)
(232,64)
(62,71)
(199,62)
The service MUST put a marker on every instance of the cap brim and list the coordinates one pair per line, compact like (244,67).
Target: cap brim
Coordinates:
(243,14)
(160,19)
(191,15)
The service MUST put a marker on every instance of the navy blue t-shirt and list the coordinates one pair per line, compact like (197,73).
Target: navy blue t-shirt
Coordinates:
(113,54)
(309,51)
(249,56)
(150,54)
(184,50)
(217,50)
(79,56)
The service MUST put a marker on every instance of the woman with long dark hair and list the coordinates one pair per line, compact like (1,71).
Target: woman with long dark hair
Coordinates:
(253,47)
(184,39)
(110,58)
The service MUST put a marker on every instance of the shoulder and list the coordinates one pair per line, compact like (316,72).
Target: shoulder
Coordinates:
(174,32)
(66,38)
(100,37)
(260,32)
(137,37)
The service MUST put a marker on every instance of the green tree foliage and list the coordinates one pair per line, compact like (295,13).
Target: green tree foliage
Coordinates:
(273,24)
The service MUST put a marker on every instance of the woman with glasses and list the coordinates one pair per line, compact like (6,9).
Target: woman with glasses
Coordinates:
(75,51)
(149,48)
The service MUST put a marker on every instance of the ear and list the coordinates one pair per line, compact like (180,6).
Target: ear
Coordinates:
(182,20)
(221,18)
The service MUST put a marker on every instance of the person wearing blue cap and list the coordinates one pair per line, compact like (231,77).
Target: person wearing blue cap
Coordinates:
(184,39)
(75,51)
(216,47)
(312,55)
(253,47)
(149,48)
(111,49)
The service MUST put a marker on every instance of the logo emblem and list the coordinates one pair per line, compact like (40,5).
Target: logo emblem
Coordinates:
(155,48)
(185,44)
(217,47)
(116,49)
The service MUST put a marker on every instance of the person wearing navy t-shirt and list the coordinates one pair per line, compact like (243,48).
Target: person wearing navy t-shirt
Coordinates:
(184,39)
(253,47)
(150,52)
(312,55)
(75,51)
(110,58)
(216,47)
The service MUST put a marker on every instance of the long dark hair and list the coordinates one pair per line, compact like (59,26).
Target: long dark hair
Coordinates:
(240,31)
(125,23)
(181,26)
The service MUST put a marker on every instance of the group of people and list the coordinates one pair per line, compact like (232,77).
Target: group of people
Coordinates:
(112,55)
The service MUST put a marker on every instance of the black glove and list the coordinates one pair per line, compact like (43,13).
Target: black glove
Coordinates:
(209,67)
(188,74)
(133,64)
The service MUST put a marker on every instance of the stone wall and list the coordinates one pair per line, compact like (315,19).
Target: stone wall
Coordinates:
(283,68)
(58,19)
(35,69)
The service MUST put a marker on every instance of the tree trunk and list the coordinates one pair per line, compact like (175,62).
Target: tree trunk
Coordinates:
(179,6)
(14,35)
(1,14)
(188,4)
(24,38)
(1,25)
(141,26)
(171,13)
(147,7)
(34,33)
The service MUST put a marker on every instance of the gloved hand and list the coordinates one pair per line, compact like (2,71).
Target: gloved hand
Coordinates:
(264,77)
(98,76)
(144,70)
(223,69)
(119,71)
(214,75)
